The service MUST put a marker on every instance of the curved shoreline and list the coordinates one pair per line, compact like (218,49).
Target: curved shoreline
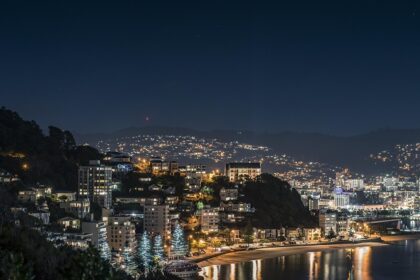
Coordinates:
(266,253)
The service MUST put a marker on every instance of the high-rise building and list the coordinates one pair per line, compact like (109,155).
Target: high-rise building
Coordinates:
(156,219)
(121,233)
(328,222)
(98,231)
(95,183)
(209,219)
(313,203)
(341,198)
(242,171)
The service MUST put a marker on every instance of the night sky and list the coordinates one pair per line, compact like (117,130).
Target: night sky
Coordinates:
(341,67)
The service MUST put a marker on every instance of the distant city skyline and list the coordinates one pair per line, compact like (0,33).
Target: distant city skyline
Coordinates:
(333,68)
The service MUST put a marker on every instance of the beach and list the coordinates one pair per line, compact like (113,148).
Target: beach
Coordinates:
(264,253)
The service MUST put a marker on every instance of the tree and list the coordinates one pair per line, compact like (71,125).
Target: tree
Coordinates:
(276,204)
(13,267)
(331,234)
(105,250)
(145,251)
(179,246)
(248,234)
(129,263)
(158,248)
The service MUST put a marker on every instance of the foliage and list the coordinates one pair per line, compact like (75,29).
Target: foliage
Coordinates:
(13,267)
(276,202)
(145,251)
(33,255)
(248,234)
(50,159)
(330,234)
(217,184)
(158,252)
(129,261)
(179,246)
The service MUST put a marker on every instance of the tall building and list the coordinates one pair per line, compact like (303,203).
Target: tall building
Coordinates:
(341,198)
(156,219)
(209,219)
(98,231)
(313,203)
(95,183)
(328,222)
(242,171)
(121,233)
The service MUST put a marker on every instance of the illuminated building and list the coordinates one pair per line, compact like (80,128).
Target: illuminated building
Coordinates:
(328,222)
(227,194)
(6,177)
(69,222)
(33,194)
(311,234)
(64,195)
(80,208)
(156,219)
(341,198)
(121,233)
(98,231)
(231,206)
(242,171)
(354,184)
(313,203)
(209,219)
(95,183)
(120,162)
(158,166)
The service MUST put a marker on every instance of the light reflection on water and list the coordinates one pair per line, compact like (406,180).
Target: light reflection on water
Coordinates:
(400,261)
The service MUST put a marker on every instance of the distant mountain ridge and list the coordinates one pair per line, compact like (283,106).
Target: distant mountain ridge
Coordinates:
(346,151)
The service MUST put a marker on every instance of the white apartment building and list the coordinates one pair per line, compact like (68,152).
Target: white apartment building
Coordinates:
(242,171)
(209,219)
(341,198)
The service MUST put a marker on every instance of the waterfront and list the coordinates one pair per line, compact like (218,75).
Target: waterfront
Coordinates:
(399,260)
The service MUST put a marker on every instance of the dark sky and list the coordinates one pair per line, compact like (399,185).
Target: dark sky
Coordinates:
(340,67)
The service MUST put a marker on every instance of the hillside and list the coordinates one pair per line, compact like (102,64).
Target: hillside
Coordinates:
(351,151)
(38,158)
(276,204)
